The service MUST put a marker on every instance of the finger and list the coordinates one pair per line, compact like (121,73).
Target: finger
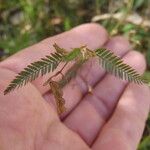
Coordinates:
(89,74)
(92,35)
(124,129)
(93,111)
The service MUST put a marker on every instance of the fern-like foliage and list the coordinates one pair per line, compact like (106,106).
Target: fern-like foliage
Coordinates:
(114,65)
(110,62)
(34,70)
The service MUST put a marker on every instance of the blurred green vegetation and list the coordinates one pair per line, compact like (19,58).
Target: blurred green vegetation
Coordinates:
(24,22)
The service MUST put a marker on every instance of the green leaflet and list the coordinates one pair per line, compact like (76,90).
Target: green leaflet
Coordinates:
(114,65)
(72,55)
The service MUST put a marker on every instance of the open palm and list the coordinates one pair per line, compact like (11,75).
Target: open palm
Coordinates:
(111,117)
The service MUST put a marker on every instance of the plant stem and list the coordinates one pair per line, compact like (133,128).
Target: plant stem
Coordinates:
(56,74)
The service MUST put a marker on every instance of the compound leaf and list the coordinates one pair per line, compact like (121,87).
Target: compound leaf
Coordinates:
(114,65)
(34,70)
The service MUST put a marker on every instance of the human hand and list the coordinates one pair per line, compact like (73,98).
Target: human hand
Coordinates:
(112,117)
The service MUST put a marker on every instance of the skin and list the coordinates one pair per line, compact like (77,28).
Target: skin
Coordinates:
(113,115)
